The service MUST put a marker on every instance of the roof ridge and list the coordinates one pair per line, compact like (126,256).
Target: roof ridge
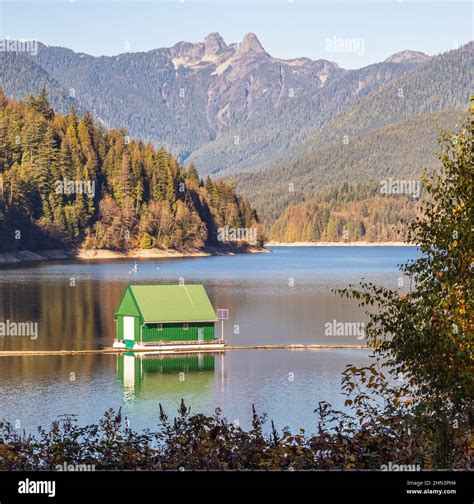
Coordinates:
(166,285)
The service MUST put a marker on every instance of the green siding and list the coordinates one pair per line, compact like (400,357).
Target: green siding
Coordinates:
(138,323)
(127,308)
(119,319)
(128,305)
(176,332)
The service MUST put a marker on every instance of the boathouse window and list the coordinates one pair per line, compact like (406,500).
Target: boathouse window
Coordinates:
(185,327)
(159,327)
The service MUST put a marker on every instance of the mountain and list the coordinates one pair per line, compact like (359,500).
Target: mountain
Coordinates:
(341,111)
(187,95)
(271,135)
(223,107)
(442,83)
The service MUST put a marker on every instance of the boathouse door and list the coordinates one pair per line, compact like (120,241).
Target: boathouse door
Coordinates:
(129,328)
(200,333)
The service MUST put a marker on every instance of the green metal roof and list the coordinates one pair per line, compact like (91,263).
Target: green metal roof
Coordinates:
(170,303)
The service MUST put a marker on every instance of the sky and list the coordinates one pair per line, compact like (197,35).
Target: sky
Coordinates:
(350,32)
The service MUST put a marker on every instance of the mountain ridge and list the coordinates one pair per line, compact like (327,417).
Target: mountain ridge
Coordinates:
(250,38)
(186,96)
(233,110)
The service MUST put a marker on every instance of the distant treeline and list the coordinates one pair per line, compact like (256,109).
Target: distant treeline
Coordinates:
(66,182)
(345,212)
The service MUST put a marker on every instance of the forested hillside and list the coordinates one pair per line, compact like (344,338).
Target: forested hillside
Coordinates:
(284,131)
(21,76)
(398,150)
(65,182)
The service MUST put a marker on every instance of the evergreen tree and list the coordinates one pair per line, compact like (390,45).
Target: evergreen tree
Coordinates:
(41,105)
(193,175)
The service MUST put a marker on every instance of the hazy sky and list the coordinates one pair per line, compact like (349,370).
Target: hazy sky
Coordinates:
(286,28)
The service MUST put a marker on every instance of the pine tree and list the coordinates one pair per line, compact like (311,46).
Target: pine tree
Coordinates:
(193,175)
(208,184)
(170,187)
(46,169)
(41,105)
(160,176)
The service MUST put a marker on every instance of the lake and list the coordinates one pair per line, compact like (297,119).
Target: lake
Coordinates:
(282,297)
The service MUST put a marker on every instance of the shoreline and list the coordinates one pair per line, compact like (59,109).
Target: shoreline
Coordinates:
(27,256)
(339,244)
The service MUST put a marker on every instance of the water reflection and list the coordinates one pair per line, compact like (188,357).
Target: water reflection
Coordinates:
(165,375)
(68,317)
(285,384)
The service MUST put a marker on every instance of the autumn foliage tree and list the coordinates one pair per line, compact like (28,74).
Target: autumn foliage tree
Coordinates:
(423,340)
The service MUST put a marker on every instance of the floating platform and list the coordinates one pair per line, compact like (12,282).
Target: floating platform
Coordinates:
(172,346)
(178,350)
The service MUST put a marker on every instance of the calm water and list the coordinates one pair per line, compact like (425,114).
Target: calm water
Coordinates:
(279,298)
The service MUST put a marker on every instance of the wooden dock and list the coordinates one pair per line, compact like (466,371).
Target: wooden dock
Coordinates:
(110,350)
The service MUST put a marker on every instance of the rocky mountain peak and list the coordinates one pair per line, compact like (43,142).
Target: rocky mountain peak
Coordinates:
(251,44)
(213,43)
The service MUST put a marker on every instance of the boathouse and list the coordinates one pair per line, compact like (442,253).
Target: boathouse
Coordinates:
(165,316)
